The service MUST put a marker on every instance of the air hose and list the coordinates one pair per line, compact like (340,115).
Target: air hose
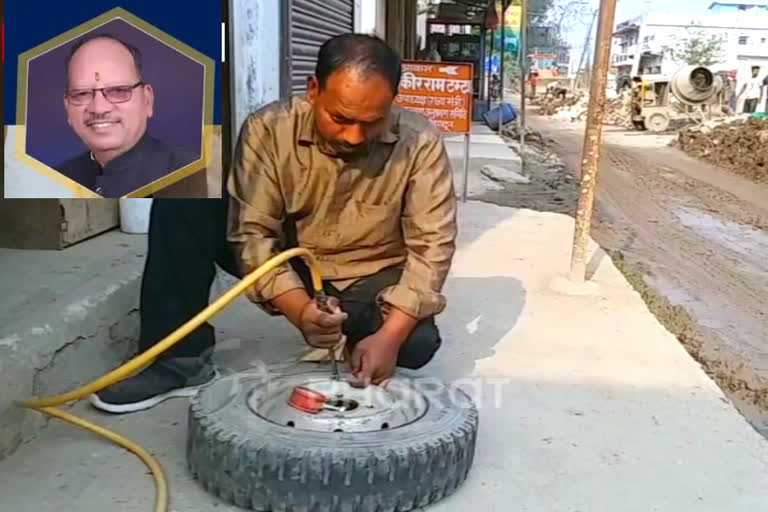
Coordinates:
(48,405)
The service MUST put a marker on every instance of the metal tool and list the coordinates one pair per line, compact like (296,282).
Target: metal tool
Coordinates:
(322,304)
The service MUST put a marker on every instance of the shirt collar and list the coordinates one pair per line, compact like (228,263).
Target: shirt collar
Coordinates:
(308,133)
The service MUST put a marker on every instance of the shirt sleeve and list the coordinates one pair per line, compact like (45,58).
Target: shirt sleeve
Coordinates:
(429,230)
(257,211)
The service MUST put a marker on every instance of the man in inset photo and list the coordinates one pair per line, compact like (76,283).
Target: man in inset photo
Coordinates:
(108,105)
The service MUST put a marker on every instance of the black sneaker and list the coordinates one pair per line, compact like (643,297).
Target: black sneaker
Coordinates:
(158,382)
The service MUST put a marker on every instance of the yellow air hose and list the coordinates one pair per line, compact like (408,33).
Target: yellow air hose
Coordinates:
(47,405)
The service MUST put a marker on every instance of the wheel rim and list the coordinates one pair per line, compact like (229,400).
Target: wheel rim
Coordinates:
(349,409)
(658,123)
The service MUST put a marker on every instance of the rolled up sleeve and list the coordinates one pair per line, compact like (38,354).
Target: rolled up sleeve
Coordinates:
(429,230)
(257,211)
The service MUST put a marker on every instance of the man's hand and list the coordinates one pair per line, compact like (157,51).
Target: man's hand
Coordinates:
(320,330)
(374,359)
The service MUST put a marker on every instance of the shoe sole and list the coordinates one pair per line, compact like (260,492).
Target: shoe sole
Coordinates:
(143,405)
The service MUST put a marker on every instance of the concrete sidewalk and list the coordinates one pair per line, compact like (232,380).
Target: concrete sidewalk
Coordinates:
(586,403)
(492,164)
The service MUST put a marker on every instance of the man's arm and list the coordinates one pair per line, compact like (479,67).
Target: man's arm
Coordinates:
(429,230)
(256,212)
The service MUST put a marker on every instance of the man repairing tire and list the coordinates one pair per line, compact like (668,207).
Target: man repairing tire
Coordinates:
(362,183)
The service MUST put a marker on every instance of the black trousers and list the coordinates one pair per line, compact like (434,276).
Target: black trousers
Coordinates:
(187,239)
(750,106)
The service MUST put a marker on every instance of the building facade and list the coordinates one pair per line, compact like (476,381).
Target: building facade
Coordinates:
(736,6)
(640,44)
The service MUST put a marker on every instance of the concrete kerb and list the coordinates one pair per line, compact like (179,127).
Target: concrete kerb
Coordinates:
(69,326)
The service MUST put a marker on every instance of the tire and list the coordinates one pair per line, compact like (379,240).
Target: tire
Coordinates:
(657,123)
(254,463)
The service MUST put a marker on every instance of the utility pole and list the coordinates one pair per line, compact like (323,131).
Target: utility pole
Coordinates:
(586,49)
(592,139)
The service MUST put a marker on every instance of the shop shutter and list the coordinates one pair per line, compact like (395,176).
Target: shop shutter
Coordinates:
(310,23)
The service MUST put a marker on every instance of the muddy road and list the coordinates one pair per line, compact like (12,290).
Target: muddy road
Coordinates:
(693,239)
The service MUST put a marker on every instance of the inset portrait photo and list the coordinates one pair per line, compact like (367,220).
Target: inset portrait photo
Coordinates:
(118,110)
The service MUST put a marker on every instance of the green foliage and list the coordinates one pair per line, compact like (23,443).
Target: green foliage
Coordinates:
(698,48)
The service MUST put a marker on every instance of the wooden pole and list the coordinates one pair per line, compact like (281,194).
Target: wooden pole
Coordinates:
(592,139)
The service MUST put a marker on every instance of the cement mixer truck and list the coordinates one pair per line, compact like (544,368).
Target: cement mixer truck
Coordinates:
(693,92)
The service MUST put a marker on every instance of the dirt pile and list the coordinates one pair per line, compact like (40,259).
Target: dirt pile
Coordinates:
(741,146)
(574,108)
(550,187)
(618,111)
(551,105)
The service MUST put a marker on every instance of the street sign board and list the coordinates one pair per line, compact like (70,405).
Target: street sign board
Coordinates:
(440,91)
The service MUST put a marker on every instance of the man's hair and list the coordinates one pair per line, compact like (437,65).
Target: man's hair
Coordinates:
(135,52)
(363,53)
(755,68)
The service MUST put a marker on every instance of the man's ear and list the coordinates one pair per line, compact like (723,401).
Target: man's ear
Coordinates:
(313,89)
(66,109)
(149,97)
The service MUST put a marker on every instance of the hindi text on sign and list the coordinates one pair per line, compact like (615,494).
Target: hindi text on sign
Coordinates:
(441,92)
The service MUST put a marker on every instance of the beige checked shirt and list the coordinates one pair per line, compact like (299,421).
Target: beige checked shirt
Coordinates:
(394,206)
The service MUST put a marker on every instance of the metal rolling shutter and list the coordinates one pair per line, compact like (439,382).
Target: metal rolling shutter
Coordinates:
(310,23)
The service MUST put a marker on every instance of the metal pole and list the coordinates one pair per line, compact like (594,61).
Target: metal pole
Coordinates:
(523,72)
(592,138)
(466,168)
(501,68)
(490,71)
(481,95)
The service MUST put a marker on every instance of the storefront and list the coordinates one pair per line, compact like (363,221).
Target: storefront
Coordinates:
(271,50)
(306,25)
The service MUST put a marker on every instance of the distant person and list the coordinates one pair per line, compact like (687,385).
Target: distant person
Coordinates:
(764,93)
(434,53)
(108,105)
(556,90)
(754,92)
(533,81)
(730,93)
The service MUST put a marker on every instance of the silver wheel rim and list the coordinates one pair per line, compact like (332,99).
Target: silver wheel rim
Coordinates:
(349,409)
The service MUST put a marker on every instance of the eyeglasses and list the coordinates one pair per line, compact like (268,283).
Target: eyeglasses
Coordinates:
(116,94)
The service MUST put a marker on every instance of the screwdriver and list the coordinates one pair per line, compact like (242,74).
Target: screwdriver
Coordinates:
(322,304)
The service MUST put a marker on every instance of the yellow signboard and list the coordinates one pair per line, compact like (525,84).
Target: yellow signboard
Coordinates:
(512,17)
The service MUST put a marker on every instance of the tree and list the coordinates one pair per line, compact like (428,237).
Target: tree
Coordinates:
(567,15)
(698,48)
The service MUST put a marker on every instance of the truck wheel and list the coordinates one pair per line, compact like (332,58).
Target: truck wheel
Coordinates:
(373,450)
(657,123)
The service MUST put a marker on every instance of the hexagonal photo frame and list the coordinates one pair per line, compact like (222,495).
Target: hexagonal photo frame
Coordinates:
(180,130)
